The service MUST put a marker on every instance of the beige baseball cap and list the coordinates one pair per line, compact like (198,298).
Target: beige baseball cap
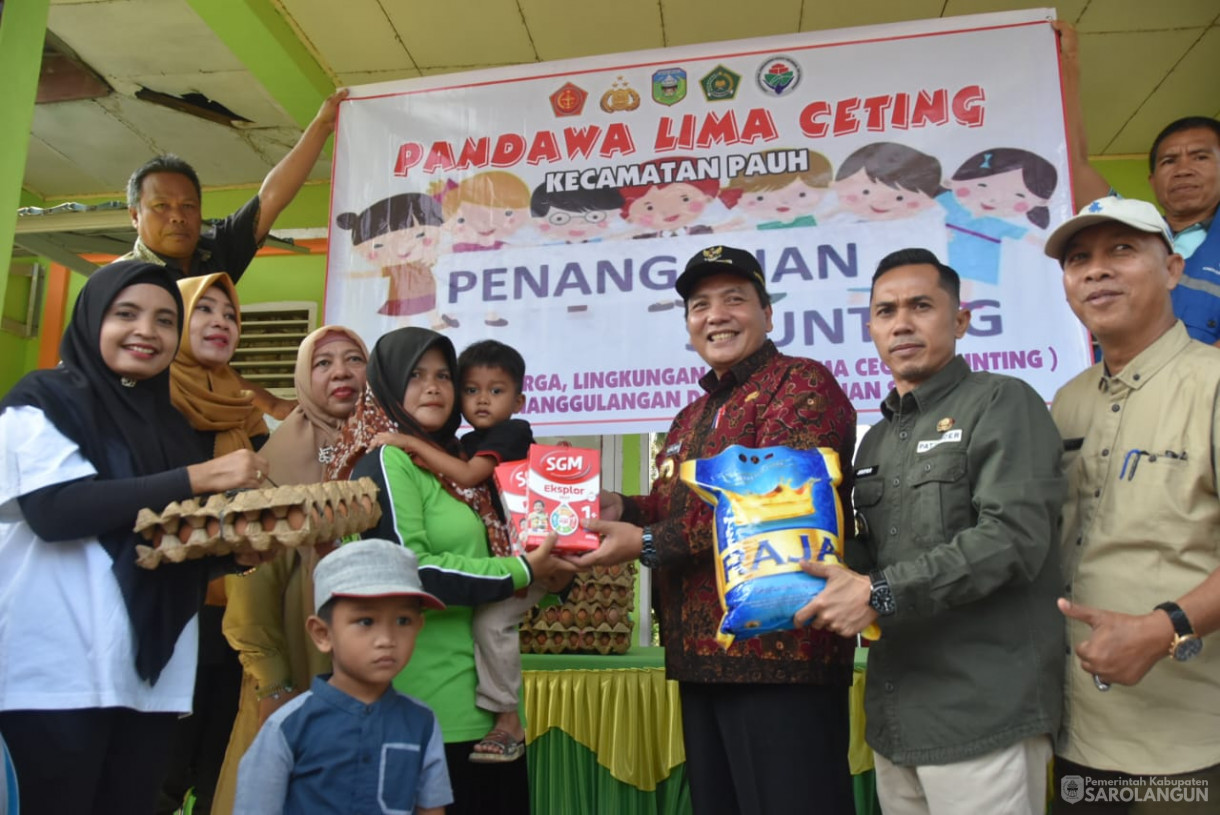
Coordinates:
(1134,213)
(370,568)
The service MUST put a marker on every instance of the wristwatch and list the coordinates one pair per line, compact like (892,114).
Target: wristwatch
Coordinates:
(881,599)
(648,549)
(1186,645)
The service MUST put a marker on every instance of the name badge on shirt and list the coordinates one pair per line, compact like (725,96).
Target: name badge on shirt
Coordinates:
(946,438)
(864,472)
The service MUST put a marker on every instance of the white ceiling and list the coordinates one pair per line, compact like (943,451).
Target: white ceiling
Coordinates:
(1145,63)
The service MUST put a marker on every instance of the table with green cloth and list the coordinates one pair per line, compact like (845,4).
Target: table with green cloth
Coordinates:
(604,736)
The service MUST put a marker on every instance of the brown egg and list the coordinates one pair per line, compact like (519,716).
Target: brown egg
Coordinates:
(566,618)
(268,519)
(213,527)
(329,513)
(296,517)
(599,616)
(184,532)
(239,525)
(582,616)
(613,615)
(341,508)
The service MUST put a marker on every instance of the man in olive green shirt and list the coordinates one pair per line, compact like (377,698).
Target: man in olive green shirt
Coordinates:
(1141,527)
(958,490)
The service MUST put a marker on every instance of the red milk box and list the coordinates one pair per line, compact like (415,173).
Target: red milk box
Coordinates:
(510,481)
(563,485)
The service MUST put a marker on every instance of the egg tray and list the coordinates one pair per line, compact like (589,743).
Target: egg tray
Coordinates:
(259,520)
(575,641)
(617,575)
(581,616)
(595,618)
(603,594)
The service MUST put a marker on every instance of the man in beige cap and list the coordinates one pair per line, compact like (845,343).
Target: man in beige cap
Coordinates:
(1141,433)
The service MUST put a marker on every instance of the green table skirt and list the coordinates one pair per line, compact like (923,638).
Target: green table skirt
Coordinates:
(604,735)
(565,778)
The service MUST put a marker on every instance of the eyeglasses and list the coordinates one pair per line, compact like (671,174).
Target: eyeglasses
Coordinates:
(561,218)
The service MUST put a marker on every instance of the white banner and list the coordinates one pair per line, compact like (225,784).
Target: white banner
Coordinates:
(552,206)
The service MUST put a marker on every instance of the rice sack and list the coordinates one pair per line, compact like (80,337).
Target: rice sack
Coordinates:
(774,507)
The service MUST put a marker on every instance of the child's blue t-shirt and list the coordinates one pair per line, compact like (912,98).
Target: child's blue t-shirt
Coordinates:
(326,751)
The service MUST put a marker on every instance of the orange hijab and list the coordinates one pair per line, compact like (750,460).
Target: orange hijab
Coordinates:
(212,399)
(304,442)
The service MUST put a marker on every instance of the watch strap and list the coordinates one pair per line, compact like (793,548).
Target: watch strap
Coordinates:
(881,597)
(1181,623)
(648,549)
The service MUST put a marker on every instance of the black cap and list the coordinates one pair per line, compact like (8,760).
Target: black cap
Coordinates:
(721,260)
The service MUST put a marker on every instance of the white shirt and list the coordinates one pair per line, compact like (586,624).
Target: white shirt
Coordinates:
(65,637)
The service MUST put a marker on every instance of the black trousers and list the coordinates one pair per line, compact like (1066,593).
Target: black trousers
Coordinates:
(767,749)
(88,762)
(486,789)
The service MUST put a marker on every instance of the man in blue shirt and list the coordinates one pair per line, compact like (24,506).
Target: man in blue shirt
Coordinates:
(1184,173)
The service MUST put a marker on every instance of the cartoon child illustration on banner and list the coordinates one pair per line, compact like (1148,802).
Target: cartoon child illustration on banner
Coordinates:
(886,181)
(988,190)
(782,200)
(401,236)
(575,216)
(669,210)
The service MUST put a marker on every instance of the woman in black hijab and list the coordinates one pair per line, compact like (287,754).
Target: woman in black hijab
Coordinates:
(97,655)
(453,530)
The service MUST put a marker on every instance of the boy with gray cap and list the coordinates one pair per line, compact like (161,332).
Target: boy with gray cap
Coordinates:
(352,743)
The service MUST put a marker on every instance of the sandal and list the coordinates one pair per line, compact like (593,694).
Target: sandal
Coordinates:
(506,749)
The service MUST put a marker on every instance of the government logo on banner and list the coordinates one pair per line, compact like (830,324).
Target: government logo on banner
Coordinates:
(552,206)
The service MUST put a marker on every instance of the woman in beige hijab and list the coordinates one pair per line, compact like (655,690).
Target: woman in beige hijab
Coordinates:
(206,389)
(265,619)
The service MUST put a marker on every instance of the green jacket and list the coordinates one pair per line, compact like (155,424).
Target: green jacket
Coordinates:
(456,565)
(958,495)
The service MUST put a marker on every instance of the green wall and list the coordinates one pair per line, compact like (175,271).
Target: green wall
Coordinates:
(284,277)
(1127,175)
(17,355)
